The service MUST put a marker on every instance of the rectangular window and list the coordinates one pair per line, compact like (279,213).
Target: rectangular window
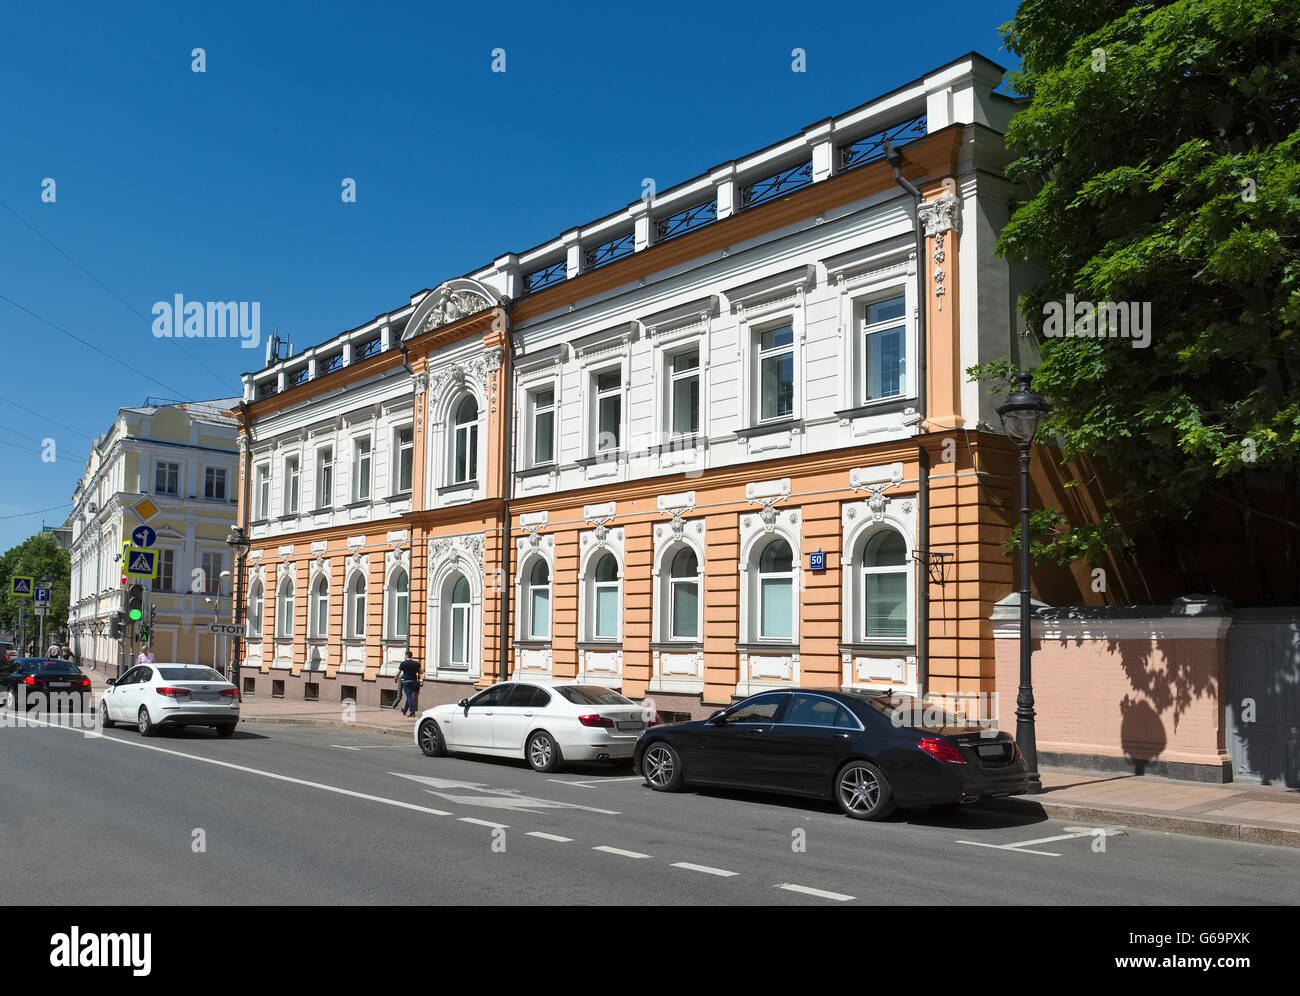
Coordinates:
(539,612)
(886,610)
(776,373)
(404,444)
(166,570)
(214,483)
(609,410)
(884,349)
(166,478)
(776,612)
(685,394)
(361,469)
(212,564)
(686,610)
(543,426)
(325,477)
(291,486)
(264,491)
(606,612)
(460,636)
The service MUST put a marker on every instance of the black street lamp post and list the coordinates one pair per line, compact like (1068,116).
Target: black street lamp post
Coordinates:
(239,545)
(1020,415)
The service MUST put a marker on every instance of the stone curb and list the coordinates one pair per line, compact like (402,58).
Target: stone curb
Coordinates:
(1247,833)
(337,724)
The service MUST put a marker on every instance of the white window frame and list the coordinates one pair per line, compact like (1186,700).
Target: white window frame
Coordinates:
(673,378)
(318,609)
(394,612)
(256,597)
(284,609)
(465,610)
(470,430)
(362,458)
(861,572)
(536,410)
(594,376)
(861,307)
(355,607)
(760,354)
(262,472)
(671,584)
(399,450)
(212,474)
(292,478)
(324,470)
(591,591)
(212,579)
(175,470)
(166,558)
(756,592)
(527,589)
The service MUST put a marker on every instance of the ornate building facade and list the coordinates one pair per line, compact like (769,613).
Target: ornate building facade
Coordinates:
(718,441)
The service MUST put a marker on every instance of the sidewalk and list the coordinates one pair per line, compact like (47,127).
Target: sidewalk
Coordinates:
(1236,811)
(1243,811)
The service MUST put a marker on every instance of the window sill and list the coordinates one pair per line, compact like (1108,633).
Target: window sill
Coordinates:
(766,646)
(600,644)
(684,646)
(878,649)
(763,428)
(531,644)
(537,471)
(883,406)
(358,503)
(455,490)
(400,496)
(607,456)
(287,516)
(263,521)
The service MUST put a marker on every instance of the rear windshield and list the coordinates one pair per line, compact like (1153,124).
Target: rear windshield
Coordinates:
(904,710)
(189,674)
(592,695)
(51,667)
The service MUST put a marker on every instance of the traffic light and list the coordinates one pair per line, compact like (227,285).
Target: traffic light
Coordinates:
(115,627)
(144,632)
(135,602)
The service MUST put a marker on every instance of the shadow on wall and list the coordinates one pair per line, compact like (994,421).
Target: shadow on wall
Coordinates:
(1142,733)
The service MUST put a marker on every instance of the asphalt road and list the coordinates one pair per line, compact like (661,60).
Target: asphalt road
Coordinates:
(290,815)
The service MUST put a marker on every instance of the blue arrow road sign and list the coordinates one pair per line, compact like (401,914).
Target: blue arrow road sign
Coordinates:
(41,594)
(144,536)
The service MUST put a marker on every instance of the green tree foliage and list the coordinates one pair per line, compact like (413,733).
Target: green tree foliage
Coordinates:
(37,557)
(1161,143)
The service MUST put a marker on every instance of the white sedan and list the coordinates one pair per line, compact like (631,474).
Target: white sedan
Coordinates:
(546,722)
(151,696)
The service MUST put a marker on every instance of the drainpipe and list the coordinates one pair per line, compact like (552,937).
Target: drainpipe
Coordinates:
(894,156)
(508,412)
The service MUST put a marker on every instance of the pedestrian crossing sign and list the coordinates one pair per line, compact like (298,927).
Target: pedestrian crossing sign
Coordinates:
(141,563)
(21,586)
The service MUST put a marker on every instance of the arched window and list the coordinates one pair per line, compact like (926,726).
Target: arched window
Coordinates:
(539,601)
(399,605)
(356,607)
(465,457)
(284,611)
(255,609)
(459,616)
(684,596)
(776,591)
(884,587)
(319,609)
(605,598)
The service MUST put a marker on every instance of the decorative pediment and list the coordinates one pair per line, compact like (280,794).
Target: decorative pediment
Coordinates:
(450,302)
(465,549)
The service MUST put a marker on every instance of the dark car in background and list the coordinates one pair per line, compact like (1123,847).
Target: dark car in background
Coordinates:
(870,753)
(43,683)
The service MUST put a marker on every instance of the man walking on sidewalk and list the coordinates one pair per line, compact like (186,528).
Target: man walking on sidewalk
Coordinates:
(409,671)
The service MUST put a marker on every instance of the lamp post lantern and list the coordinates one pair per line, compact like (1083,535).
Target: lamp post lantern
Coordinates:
(1020,415)
(239,546)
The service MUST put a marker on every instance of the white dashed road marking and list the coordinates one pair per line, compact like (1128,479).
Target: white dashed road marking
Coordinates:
(550,836)
(485,823)
(839,897)
(619,851)
(720,872)
(1023,847)
(596,781)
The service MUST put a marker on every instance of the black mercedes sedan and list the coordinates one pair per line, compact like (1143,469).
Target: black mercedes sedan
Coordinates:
(44,683)
(868,752)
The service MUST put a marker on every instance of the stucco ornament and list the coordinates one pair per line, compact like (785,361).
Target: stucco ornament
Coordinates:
(452,305)
(938,218)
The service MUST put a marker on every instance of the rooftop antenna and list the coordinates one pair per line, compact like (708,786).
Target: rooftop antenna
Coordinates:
(273,348)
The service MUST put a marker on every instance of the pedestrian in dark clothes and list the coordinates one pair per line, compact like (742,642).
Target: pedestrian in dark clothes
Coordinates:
(409,677)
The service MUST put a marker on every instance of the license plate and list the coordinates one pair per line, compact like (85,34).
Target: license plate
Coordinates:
(200,697)
(992,751)
(60,684)
(630,726)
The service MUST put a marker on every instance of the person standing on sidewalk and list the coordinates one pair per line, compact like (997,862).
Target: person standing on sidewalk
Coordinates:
(409,670)
(145,656)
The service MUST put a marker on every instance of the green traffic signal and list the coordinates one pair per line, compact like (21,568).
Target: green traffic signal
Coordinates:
(136,615)
(135,602)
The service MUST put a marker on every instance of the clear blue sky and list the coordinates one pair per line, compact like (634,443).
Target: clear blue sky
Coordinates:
(225,185)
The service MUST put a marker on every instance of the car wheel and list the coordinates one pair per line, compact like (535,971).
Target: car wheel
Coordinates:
(143,723)
(225,729)
(661,766)
(430,739)
(543,752)
(104,721)
(863,791)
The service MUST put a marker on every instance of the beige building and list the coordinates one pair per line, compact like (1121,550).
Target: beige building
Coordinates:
(183,456)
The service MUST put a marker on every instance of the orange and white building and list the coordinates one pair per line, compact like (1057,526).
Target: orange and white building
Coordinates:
(717,441)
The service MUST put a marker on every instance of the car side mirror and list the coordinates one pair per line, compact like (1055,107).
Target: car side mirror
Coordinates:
(719,717)
(463,704)
(111,681)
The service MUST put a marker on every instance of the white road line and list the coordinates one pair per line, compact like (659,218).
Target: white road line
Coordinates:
(485,823)
(549,836)
(596,781)
(720,872)
(1014,849)
(368,746)
(620,852)
(273,775)
(819,893)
